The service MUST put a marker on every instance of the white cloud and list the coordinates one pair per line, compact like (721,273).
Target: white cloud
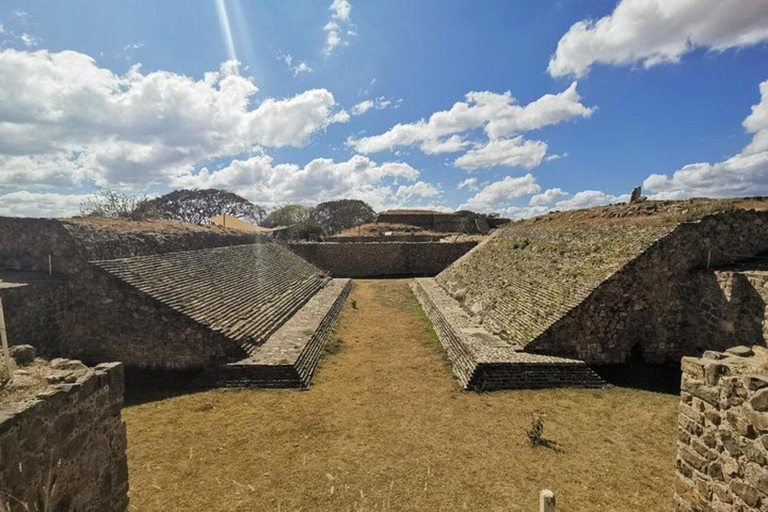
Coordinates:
(379,103)
(418,189)
(64,118)
(498,194)
(743,174)
(548,197)
(498,114)
(362,107)
(299,68)
(653,32)
(469,183)
(30,204)
(514,152)
(338,27)
(320,180)
(2,28)
(341,9)
(589,199)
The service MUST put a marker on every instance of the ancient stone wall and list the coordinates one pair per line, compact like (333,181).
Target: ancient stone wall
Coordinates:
(104,318)
(381,259)
(730,307)
(64,449)
(645,307)
(28,243)
(722,448)
(437,222)
(345,239)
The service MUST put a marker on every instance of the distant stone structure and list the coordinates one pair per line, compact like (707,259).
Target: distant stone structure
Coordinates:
(608,284)
(166,296)
(430,220)
(722,448)
(62,439)
(382,259)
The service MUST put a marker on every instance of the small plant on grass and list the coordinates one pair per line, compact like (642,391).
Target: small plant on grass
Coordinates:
(536,432)
(353,304)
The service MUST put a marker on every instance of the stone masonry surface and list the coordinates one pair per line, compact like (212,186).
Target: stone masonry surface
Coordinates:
(722,448)
(243,292)
(596,284)
(289,357)
(482,361)
(382,259)
(71,243)
(63,448)
(731,305)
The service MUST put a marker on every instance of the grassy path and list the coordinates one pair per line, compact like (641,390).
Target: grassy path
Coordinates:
(385,427)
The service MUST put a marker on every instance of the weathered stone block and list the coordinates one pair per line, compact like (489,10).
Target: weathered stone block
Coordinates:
(23,354)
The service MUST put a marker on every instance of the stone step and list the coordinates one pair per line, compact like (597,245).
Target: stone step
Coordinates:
(288,359)
(482,361)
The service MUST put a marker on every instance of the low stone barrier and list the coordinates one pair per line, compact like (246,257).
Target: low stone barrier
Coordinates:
(63,447)
(482,361)
(382,259)
(722,448)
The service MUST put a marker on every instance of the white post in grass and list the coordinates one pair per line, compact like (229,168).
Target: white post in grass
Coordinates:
(4,336)
(547,501)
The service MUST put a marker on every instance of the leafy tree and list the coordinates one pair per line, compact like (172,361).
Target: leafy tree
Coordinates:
(336,216)
(110,203)
(288,215)
(197,206)
(300,218)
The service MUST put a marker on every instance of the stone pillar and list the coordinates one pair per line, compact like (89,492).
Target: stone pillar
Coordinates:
(547,501)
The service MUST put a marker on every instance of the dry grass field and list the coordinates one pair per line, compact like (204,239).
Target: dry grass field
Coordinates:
(385,427)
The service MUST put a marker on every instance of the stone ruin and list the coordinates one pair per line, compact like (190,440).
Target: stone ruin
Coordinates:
(601,286)
(722,447)
(169,296)
(62,440)
(529,307)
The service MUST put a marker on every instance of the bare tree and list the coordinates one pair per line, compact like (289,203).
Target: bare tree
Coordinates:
(110,203)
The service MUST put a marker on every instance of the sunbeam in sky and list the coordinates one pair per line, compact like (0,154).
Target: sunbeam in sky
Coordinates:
(226,29)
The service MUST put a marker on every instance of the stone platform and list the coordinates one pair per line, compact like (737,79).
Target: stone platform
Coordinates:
(289,357)
(484,362)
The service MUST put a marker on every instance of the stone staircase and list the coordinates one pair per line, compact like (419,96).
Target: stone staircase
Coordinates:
(244,292)
(482,361)
(289,357)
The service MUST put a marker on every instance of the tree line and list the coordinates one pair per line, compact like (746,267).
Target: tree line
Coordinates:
(197,206)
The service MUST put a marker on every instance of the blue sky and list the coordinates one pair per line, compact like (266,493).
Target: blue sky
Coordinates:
(660,86)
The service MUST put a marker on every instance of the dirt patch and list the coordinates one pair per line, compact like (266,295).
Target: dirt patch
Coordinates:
(385,427)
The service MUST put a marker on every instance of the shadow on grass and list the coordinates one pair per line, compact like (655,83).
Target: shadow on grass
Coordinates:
(144,386)
(548,444)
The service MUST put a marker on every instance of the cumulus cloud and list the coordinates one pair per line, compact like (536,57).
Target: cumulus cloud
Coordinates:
(499,197)
(514,152)
(338,29)
(31,204)
(419,189)
(588,199)
(652,32)
(498,115)
(498,194)
(743,174)
(64,120)
(548,197)
(322,179)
